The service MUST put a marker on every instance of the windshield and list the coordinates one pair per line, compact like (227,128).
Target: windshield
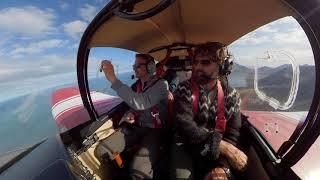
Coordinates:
(103,96)
(273,71)
(275,75)
(38,48)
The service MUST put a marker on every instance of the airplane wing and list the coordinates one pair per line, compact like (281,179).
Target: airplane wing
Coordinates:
(276,127)
(68,110)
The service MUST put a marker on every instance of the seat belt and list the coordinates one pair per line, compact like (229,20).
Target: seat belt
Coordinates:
(221,121)
(170,109)
(154,110)
(160,69)
(220,125)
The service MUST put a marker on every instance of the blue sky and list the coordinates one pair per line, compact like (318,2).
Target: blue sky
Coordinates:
(39,41)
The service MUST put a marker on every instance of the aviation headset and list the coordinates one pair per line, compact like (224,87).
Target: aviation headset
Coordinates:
(222,53)
(151,65)
(226,66)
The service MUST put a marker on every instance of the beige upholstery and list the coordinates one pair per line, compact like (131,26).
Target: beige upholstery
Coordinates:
(190,21)
(88,158)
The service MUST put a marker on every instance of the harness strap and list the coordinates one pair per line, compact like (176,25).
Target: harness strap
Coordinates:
(195,96)
(221,120)
(160,69)
(154,110)
(138,90)
(170,109)
(156,117)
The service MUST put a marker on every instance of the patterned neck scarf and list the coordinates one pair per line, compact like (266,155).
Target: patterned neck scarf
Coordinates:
(207,107)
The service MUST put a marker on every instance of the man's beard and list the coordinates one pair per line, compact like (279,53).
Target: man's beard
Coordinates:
(203,78)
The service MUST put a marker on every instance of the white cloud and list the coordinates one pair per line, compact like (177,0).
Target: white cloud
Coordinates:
(294,36)
(27,20)
(286,20)
(252,38)
(5,39)
(101,1)
(41,72)
(284,38)
(37,47)
(25,110)
(9,89)
(268,29)
(75,46)
(8,72)
(64,4)
(285,31)
(43,65)
(24,76)
(75,28)
(87,12)
(273,37)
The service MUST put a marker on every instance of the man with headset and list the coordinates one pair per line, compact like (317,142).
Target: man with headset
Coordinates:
(207,119)
(147,99)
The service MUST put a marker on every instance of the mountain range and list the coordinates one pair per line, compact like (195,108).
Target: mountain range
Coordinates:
(276,83)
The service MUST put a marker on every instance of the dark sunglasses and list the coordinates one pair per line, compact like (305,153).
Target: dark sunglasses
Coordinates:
(136,66)
(202,62)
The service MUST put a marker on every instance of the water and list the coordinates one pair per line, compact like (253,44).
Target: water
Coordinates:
(27,119)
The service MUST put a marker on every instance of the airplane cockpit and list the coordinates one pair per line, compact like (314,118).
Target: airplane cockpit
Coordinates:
(273,63)
(170,34)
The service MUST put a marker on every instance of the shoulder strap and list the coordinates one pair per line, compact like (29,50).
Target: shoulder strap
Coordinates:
(221,120)
(154,110)
(151,84)
(137,86)
(195,96)
(160,69)
(134,86)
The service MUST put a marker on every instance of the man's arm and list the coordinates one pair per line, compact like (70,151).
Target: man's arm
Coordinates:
(235,157)
(184,122)
(228,146)
(234,123)
(144,100)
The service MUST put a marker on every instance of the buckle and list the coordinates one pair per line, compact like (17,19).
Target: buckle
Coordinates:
(228,172)
(154,114)
(90,140)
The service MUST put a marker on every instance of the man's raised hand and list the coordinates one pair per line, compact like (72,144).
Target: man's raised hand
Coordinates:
(108,70)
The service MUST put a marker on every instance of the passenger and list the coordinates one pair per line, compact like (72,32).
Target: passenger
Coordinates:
(172,78)
(206,137)
(148,100)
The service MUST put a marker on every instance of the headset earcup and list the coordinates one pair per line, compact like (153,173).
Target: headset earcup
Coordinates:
(151,67)
(225,67)
(221,69)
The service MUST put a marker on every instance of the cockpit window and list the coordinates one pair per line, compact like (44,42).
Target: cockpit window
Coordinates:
(275,75)
(103,96)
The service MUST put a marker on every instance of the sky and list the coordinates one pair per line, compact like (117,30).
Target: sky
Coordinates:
(280,38)
(39,41)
